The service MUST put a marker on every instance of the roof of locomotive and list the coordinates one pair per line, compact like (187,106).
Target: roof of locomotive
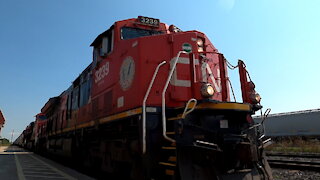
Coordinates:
(50,104)
(98,39)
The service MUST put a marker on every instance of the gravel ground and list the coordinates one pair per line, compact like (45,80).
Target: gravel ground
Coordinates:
(288,174)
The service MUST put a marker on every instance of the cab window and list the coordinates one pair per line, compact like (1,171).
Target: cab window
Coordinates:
(130,33)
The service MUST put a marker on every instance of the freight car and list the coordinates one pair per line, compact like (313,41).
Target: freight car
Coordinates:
(304,123)
(155,104)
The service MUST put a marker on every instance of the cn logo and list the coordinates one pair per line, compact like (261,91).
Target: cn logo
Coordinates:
(205,70)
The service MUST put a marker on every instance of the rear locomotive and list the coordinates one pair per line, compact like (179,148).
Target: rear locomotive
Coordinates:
(155,104)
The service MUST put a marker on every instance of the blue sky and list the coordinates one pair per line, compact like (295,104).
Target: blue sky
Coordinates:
(44,45)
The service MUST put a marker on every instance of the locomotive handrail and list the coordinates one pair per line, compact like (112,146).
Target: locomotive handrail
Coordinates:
(164,119)
(263,129)
(144,148)
(185,112)
(265,115)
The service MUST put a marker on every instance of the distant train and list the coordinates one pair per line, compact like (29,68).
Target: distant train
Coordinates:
(304,123)
(154,104)
(2,121)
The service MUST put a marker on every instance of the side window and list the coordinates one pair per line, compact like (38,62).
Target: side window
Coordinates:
(107,44)
(69,102)
(85,92)
(104,46)
(95,56)
(75,98)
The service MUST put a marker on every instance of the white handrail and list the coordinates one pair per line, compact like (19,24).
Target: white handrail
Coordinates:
(185,112)
(164,119)
(144,148)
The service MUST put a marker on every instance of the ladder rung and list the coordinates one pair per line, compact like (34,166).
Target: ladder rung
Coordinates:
(167,164)
(172,159)
(169,172)
(175,118)
(168,147)
(170,132)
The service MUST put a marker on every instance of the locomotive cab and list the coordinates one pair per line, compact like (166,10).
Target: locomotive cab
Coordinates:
(132,48)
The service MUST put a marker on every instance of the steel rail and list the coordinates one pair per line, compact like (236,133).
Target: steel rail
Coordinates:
(302,155)
(295,164)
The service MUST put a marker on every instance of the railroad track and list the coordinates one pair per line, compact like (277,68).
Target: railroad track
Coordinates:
(294,155)
(294,161)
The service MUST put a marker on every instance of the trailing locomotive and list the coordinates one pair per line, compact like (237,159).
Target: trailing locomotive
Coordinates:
(155,104)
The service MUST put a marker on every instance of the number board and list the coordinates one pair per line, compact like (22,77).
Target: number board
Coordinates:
(149,21)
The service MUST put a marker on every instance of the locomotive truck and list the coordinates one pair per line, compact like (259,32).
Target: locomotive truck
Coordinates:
(155,104)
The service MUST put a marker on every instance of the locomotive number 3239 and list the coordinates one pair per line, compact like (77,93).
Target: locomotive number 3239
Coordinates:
(149,21)
(102,72)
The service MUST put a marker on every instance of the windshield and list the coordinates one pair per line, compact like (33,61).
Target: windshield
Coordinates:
(130,33)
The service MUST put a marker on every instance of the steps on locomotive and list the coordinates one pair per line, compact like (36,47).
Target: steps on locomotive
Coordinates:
(171,124)
(175,118)
(169,162)
(171,133)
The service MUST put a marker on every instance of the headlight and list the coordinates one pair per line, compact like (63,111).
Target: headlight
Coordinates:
(200,42)
(207,90)
(255,98)
(200,45)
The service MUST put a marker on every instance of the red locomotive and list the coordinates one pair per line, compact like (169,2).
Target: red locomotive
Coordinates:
(155,104)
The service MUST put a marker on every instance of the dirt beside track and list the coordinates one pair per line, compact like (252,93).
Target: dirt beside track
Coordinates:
(289,174)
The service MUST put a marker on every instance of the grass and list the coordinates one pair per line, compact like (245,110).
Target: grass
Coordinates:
(295,145)
(4,142)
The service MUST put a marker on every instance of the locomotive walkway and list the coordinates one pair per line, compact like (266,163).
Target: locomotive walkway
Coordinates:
(19,164)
